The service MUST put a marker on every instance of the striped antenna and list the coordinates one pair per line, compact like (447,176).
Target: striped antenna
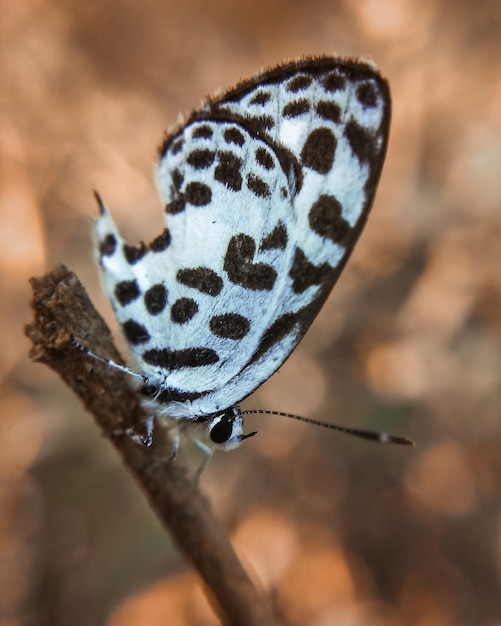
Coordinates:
(356,432)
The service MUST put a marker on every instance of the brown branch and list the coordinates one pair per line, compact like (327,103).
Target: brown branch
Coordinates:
(62,309)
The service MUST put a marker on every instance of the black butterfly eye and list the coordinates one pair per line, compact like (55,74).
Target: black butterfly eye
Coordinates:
(222,431)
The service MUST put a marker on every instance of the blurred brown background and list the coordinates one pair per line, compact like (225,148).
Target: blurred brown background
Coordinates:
(341,531)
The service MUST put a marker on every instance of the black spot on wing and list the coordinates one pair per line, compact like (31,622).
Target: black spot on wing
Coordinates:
(264,158)
(296,108)
(201,159)
(198,194)
(299,83)
(155,299)
(233,135)
(329,111)
(260,123)
(228,170)
(178,205)
(171,394)
(127,291)
(178,359)
(366,95)
(201,278)
(319,149)
(229,326)
(108,245)
(276,240)
(183,310)
(258,186)
(135,333)
(202,132)
(326,219)
(177,146)
(305,274)
(361,142)
(162,242)
(280,328)
(177,179)
(334,82)
(261,98)
(241,270)
(294,173)
(133,254)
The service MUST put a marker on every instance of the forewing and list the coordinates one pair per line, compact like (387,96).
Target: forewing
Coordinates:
(331,118)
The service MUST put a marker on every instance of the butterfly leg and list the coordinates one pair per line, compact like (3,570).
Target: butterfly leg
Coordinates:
(208,456)
(175,445)
(144,438)
(172,428)
(204,462)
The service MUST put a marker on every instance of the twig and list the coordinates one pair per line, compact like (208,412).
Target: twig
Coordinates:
(62,309)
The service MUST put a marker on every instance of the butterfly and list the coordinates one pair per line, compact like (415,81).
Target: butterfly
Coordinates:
(266,189)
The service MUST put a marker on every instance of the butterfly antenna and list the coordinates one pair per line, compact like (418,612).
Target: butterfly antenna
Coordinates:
(117,366)
(356,432)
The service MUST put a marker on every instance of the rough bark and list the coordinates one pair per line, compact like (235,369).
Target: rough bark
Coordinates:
(62,310)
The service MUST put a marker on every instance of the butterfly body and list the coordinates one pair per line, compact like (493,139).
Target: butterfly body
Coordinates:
(266,190)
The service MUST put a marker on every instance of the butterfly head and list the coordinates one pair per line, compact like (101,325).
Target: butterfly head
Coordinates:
(225,429)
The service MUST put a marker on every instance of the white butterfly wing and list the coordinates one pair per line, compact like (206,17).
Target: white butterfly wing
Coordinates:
(266,191)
